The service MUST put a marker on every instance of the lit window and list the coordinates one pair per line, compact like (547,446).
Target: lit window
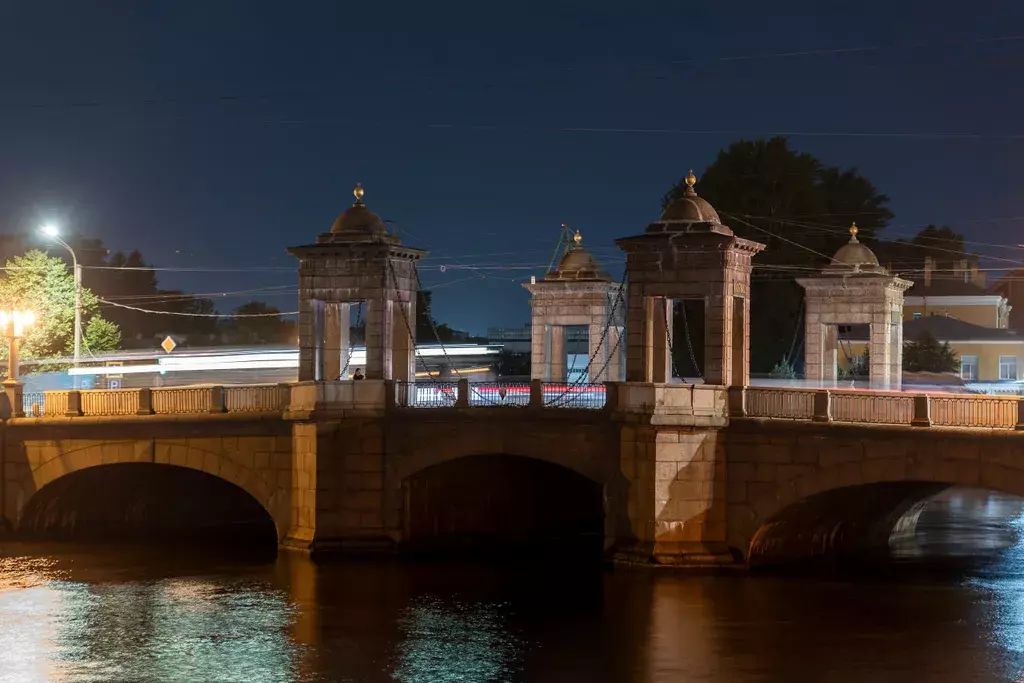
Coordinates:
(969,367)
(1008,367)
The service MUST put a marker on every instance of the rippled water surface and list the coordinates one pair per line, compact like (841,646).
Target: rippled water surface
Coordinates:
(105,613)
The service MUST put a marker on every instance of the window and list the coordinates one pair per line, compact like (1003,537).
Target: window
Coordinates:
(1008,367)
(969,367)
(917,315)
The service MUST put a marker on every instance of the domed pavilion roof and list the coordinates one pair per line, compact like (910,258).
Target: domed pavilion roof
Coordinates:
(578,264)
(689,207)
(854,258)
(358,219)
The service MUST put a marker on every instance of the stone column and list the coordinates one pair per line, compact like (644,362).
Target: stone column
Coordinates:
(636,336)
(556,353)
(598,356)
(896,346)
(744,329)
(812,349)
(830,355)
(335,339)
(307,340)
(538,347)
(881,363)
(317,341)
(404,356)
(661,341)
(379,338)
(718,338)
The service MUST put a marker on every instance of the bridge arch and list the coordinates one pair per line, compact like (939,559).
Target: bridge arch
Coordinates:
(497,501)
(46,463)
(588,449)
(854,506)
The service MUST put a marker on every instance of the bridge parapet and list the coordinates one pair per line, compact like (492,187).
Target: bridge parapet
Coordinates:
(170,401)
(887,408)
(702,405)
(340,398)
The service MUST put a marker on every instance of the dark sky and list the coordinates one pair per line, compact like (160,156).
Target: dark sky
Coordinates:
(215,134)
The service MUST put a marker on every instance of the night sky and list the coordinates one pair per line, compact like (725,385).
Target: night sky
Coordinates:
(215,134)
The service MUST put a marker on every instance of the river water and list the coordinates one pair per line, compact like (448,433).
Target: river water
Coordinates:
(115,613)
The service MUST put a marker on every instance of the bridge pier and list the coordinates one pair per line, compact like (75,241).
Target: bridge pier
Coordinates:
(339,503)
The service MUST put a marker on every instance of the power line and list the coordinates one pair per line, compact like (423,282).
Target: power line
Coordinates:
(199,315)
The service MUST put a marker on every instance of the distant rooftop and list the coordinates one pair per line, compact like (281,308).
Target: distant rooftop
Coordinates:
(944,329)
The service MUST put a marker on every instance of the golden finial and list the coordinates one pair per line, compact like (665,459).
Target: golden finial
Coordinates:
(577,238)
(854,230)
(358,192)
(691,179)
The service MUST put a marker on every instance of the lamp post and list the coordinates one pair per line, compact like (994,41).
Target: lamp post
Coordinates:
(52,232)
(12,325)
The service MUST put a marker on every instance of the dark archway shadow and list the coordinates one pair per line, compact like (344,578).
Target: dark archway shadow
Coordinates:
(845,527)
(502,506)
(148,503)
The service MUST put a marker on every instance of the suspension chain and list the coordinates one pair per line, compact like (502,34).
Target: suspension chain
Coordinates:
(405,318)
(585,376)
(430,319)
(352,341)
(689,345)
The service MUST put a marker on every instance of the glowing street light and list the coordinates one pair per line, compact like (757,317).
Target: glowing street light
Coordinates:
(53,232)
(12,326)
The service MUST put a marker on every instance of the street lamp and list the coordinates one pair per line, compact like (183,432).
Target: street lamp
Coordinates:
(53,233)
(12,326)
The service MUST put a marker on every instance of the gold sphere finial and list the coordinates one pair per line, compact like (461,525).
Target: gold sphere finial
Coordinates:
(577,238)
(358,192)
(691,179)
(854,229)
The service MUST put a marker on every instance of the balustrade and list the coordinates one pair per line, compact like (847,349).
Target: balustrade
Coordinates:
(895,409)
(794,404)
(186,400)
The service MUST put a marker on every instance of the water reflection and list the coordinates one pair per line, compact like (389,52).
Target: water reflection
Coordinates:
(455,641)
(76,614)
(54,628)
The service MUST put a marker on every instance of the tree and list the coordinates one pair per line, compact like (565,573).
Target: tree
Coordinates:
(269,328)
(44,285)
(783,370)
(943,244)
(927,354)
(101,334)
(800,209)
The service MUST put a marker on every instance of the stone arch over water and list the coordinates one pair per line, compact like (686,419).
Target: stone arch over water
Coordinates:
(147,502)
(46,471)
(497,501)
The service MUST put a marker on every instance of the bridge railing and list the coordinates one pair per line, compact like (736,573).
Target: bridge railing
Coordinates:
(184,400)
(170,401)
(872,408)
(426,394)
(794,404)
(576,395)
(110,401)
(503,394)
(257,399)
(997,412)
(882,407)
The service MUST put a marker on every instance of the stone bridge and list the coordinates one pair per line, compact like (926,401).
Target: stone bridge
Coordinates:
(661,473)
